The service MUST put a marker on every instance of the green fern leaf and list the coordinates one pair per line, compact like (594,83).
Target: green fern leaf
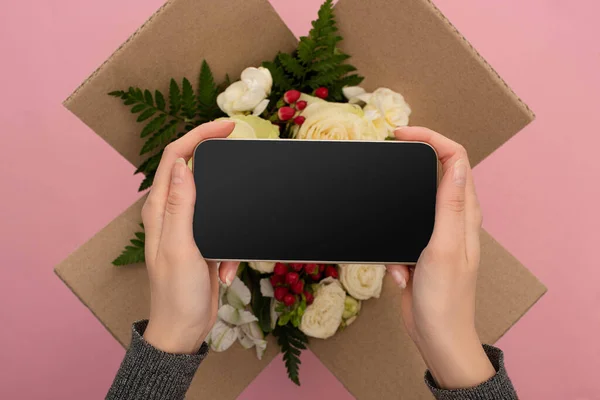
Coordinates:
(207,89)
(137,108)
(133,254)
(291,65)
(174,98)
(116,93)
(188,99)
(146,114)
(291,341)
(147,182)
(160,100)
(154,125)
(148,97)
(160,138)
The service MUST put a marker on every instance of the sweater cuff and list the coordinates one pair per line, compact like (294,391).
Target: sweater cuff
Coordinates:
(497,387)
(149,373)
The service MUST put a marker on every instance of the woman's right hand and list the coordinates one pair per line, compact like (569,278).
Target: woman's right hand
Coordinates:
(438,302)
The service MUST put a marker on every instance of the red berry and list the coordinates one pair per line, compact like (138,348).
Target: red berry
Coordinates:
(289,300)
(301,105)
(299,120)
(331,271)
(280,293)
(276,280)
(316,277)
(309,298)
(298,287)
(291,278)
(291,96)
(321,267)
(297,267)
(311,268)
(286,113)
(322,92)
(280,269)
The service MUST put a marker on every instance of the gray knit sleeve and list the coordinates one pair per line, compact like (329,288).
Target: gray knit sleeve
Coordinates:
(498,387)
(148,373)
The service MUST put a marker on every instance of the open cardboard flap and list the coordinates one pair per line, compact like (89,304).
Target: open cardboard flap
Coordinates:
(406,45)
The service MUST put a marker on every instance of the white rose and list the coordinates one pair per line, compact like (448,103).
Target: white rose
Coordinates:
(362,281)
(262,266)
(251,127)
(335,121)
(324,316)
(248,94)
(386,109)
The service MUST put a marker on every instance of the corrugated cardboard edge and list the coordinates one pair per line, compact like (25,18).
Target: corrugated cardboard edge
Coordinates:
(120,48)
(482,60)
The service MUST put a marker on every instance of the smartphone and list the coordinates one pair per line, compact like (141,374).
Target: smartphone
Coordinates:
(314,201)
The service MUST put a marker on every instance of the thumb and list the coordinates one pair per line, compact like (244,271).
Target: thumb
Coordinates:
(179,209)
(449,229)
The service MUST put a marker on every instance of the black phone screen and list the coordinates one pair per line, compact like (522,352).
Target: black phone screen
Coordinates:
(319,201)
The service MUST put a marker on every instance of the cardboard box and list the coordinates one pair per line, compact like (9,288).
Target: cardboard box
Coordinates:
(407,45)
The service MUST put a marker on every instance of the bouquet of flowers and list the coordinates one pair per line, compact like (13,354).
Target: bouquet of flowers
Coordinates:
(312,93)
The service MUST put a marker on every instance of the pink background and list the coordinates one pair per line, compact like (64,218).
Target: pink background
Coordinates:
(61,184)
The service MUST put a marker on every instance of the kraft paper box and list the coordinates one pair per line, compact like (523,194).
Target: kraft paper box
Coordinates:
(406,45)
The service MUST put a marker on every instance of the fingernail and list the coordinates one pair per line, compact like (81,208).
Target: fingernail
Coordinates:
(399,278)
(229,278)
(178,171)
(460,173)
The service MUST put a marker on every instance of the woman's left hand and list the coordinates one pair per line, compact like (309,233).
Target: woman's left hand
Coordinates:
(184,288)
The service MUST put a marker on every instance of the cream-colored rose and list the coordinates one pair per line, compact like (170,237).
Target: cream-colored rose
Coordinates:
(324,316)
(386,109)
(335,121)
(252,127)
(362,281)
(262,266)
(249,94)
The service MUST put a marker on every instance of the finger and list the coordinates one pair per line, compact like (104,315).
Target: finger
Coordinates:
(179,209)
(227,271)
(473,222)
(181,148)
(213,268)
(400,273)
(445,148)
(449,228)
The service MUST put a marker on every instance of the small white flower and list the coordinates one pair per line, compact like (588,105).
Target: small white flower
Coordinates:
(362,281)
(266,289)
(238,294)
(262,266)
(233,316)
(351,93)
(248,94)
(222,336)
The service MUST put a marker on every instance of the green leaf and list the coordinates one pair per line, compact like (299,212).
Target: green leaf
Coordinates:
(137,108)
(174,98)
(150,165)
(148,97)
(207,89)
(147,182)
(291,341)
(146,114)
(133,254)
(292,65)
(188,99)
(160,100)
(153,125)
(116,93)
(160,138)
